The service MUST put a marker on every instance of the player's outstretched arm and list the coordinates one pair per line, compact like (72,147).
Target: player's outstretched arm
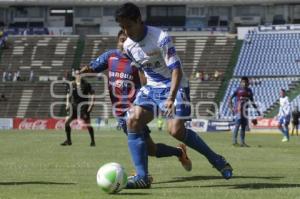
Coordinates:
(92,102)
(86,69)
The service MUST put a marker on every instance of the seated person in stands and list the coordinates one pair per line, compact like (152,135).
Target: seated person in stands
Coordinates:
(3,39)
(217,75)
(3,98)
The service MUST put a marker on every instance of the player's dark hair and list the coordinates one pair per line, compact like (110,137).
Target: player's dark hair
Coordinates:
(283,90)
(128,11)
(246,79)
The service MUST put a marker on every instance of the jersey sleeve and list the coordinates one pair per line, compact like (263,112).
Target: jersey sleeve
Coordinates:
(101,63)
(169,51)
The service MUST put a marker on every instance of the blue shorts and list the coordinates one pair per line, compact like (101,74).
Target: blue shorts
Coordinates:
(153,99)
(284,120)
(122,123)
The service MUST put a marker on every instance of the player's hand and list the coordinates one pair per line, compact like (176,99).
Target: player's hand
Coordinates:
(85,69)
(67,107)
(169,105)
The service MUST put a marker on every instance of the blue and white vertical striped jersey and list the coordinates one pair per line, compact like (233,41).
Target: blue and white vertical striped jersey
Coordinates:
(285,107)
(156,55)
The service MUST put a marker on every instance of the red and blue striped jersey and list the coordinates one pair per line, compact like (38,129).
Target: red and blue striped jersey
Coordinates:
(242,96)
(123,79)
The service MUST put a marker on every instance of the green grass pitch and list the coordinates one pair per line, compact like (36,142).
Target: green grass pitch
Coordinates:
(34,166)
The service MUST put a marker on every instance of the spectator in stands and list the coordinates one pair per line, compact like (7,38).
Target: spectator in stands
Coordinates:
(4,76)
(15,77)
(206,77)
(284,115)
(196,75)
(9,76)
(31,76)
(18,76)
(295,120)
(217,75)
(3,39)
(201,76)
(3,98)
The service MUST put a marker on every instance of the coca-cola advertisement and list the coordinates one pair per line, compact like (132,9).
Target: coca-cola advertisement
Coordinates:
(29,123)
(43,124)
(266,123)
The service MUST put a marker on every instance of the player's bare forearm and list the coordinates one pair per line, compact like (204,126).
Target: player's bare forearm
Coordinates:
(86,69)
(143,78)
(175,82)
(67,101)
(92,102)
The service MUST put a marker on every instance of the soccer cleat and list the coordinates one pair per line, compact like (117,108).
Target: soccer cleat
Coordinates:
(93,144)
(184,159)
(227,171)
(66,143)
(235,144)
(136,182)
(223,167)
(284,139)
(150,178)
(244,145)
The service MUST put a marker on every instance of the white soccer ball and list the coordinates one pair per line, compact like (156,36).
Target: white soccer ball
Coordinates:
(111,177)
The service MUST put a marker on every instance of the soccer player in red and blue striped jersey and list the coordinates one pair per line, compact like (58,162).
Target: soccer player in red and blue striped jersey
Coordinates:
(124,82)
(241,97)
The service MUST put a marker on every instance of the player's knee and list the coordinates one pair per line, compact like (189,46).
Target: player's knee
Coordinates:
(177,133)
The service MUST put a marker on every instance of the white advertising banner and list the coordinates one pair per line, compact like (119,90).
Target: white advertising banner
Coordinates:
(6,123)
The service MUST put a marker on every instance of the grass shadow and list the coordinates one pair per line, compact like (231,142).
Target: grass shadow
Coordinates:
(199,178)
(35,183)
(256,186)
(247,186)
(133,194)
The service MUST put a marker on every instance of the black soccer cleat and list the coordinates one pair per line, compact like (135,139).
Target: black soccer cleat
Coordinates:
(66,143)
(93,143)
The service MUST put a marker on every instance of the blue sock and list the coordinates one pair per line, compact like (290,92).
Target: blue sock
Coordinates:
(138,150)
(282,131)
(193,140)
(163,150)
(286,132)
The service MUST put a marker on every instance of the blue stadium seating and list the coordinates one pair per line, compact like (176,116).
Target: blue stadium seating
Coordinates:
(269,54)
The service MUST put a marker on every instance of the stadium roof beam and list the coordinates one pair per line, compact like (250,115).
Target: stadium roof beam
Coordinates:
(117,2)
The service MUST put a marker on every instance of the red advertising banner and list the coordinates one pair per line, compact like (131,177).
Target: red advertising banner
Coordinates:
(43,124)
(265,123)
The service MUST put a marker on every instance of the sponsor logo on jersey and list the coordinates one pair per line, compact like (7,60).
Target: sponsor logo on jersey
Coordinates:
(120,75)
